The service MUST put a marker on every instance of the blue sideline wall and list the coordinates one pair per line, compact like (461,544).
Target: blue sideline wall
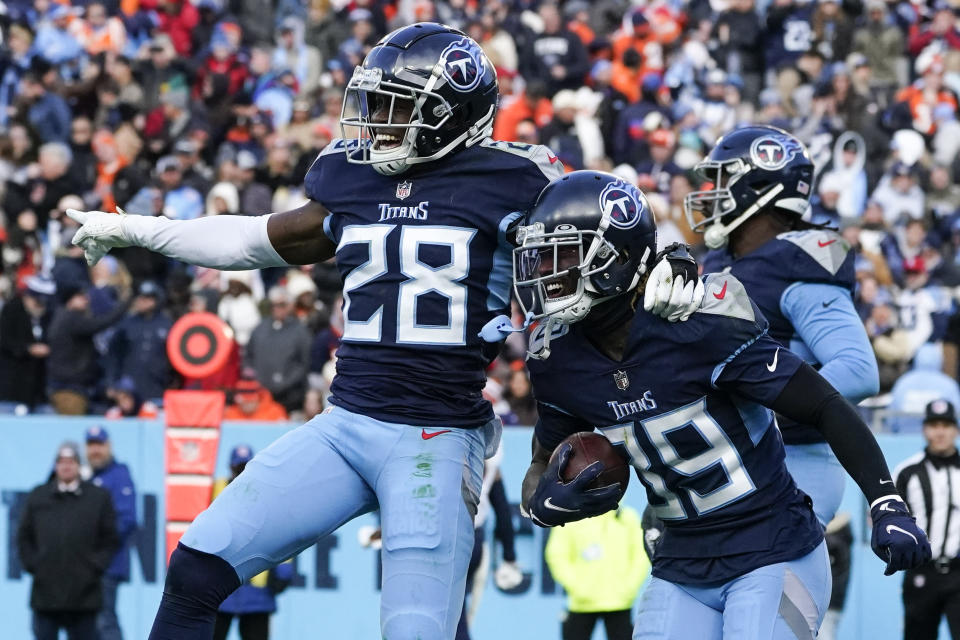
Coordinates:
(336,594)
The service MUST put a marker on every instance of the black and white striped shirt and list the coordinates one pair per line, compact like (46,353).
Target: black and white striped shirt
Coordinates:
(931,486)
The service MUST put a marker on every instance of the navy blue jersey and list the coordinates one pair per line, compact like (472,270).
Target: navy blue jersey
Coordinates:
(810,256)
(425,264)
(686,405)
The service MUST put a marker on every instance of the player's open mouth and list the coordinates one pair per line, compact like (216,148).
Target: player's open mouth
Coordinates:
(386,140)
(560,287)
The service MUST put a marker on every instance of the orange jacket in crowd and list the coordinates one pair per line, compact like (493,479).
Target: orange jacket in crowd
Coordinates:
(269,410)
(518,110)
(922,104)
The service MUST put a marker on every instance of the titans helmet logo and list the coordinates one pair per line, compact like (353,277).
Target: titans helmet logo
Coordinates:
(463,64)
(771,153)
(622,203)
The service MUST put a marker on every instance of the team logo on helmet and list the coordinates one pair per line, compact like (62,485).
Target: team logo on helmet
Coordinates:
(771,153)
(463,64)
(621,203)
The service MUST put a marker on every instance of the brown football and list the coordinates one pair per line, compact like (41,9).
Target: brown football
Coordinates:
(589,447)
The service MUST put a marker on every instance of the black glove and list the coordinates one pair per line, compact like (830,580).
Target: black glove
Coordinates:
(556,503)
(896,539)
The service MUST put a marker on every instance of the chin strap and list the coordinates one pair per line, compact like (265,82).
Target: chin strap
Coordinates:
(715,236)
(544,351)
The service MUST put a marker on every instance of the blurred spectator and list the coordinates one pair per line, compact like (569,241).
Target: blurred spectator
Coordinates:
(832,30)
(24,323)
(180,201)
(238,306)
(252,402)
(570,135)
(127,401)
(177,18)
(738,48)
(940,33)
(532,104)
(556,54)
(921,385)
(47,112)
(788,33)
(302,59)
(223,198)
(115,478)
(899,194)
(42,185)
(927,93)
(279,352)
(72,370)
(519,393)
(98,33)
(582,555)
(253,601)
(882,43)
(656,174)
(66,539)
(138,349)
(255,197)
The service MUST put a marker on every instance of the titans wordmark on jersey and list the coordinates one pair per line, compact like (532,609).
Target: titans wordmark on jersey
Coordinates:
(686,405)
(425,264)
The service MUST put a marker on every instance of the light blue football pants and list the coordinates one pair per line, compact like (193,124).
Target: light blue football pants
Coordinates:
(338,466)
(819,475)
(784,601)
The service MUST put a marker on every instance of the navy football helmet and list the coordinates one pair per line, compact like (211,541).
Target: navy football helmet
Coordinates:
(750,170)
(589,237)
(424,91)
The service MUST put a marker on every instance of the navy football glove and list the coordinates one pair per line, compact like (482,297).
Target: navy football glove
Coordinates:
(897,540)
(556,502)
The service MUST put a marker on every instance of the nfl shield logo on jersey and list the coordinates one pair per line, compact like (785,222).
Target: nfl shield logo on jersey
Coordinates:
(403,189)
(620,377)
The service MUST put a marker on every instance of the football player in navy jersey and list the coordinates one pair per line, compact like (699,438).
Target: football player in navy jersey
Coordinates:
(689,404)
(419,209)
(801,276)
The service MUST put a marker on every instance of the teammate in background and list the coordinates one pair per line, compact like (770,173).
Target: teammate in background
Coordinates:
(800,275)
(419,209)
(742,554)
(255,600)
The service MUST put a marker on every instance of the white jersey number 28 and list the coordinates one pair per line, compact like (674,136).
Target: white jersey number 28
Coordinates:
(422,278)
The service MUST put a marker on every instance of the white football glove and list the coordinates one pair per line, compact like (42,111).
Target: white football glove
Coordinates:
(98,233)
(669,296)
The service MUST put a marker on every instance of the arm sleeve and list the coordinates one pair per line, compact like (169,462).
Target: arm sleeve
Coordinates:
(829,325)
(218,242)
(554,425)
(809,399)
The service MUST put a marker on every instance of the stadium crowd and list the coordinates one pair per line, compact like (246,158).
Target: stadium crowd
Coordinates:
(189,108)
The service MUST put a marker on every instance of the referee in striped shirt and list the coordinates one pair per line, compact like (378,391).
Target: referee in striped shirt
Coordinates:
(930,483)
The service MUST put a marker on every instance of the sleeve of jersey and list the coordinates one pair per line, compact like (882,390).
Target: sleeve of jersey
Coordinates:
(759,370)
(828,323)
(313,182)
(554,425)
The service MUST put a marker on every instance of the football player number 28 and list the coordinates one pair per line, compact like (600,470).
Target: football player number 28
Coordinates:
(422,278)
(718,452)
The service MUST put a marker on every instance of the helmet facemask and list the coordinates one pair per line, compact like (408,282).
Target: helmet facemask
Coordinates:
(553,272)
(707,207)
(388,118)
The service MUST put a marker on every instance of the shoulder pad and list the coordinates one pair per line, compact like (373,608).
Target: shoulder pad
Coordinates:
(541,156)
(826,247)
(338,145)
(726,296)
